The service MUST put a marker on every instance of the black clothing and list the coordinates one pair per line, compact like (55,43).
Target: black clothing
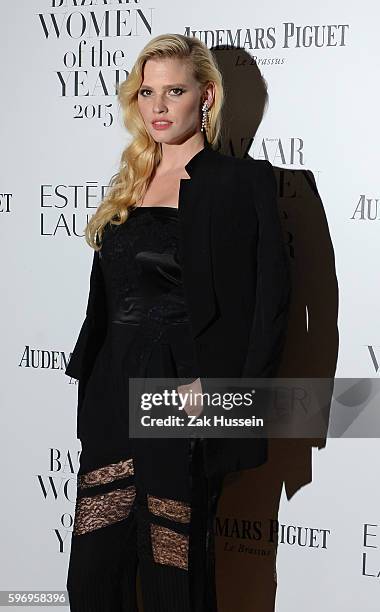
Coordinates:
(236,284)
(131,530)
(145,502)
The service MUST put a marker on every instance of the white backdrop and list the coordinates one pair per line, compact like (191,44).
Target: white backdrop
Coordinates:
(55,160)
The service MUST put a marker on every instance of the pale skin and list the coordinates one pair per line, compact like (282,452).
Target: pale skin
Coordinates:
(169,92)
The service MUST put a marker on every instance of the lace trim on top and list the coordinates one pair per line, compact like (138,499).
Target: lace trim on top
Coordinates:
(145,245)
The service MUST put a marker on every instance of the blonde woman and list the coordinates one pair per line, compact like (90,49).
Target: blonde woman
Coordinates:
(189,280)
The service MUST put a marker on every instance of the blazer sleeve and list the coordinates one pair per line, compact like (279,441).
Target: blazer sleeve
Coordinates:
(94,327)
(273,281)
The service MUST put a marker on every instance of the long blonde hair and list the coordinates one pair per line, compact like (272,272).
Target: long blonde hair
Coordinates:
(141,157)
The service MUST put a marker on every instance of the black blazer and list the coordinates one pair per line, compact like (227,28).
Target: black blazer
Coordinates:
(236,283)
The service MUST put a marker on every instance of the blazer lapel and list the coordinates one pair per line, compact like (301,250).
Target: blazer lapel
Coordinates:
(195,246)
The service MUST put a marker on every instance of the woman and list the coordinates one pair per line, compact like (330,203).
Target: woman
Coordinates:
(178,225)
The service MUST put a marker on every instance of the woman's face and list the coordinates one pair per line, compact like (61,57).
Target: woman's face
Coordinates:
(170,93)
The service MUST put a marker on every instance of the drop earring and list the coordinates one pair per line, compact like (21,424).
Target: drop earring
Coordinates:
(204,115)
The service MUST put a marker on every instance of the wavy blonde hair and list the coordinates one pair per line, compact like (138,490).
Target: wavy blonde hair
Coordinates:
(141,157)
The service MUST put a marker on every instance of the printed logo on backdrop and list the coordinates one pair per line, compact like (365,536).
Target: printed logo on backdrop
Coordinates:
(244,535)
(371,546)
(287,154)
(43,359)
(287,35)
(5,202)
(90,67)
(366,209)
(280,151)
(58,485)
(297,186)
(67,208)
(373,357)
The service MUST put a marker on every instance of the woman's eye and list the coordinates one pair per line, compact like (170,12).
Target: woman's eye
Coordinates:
(178,89)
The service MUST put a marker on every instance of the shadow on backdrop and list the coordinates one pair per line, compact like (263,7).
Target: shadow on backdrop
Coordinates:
(246,528)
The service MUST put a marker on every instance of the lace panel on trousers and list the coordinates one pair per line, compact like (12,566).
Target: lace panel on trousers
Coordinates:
(169,547)
(102,510)
(106,474)
(169,508)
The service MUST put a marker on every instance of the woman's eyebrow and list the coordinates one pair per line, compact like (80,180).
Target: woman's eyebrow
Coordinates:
(166,86)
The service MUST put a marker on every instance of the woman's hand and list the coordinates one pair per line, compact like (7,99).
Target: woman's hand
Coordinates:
(194,405)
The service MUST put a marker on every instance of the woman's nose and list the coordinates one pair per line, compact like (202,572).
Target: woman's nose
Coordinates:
(159,105)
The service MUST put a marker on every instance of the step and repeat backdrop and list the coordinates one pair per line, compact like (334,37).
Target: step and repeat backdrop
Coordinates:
(303,531)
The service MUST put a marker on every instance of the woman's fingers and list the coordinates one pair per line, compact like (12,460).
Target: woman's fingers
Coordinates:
(193,394)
